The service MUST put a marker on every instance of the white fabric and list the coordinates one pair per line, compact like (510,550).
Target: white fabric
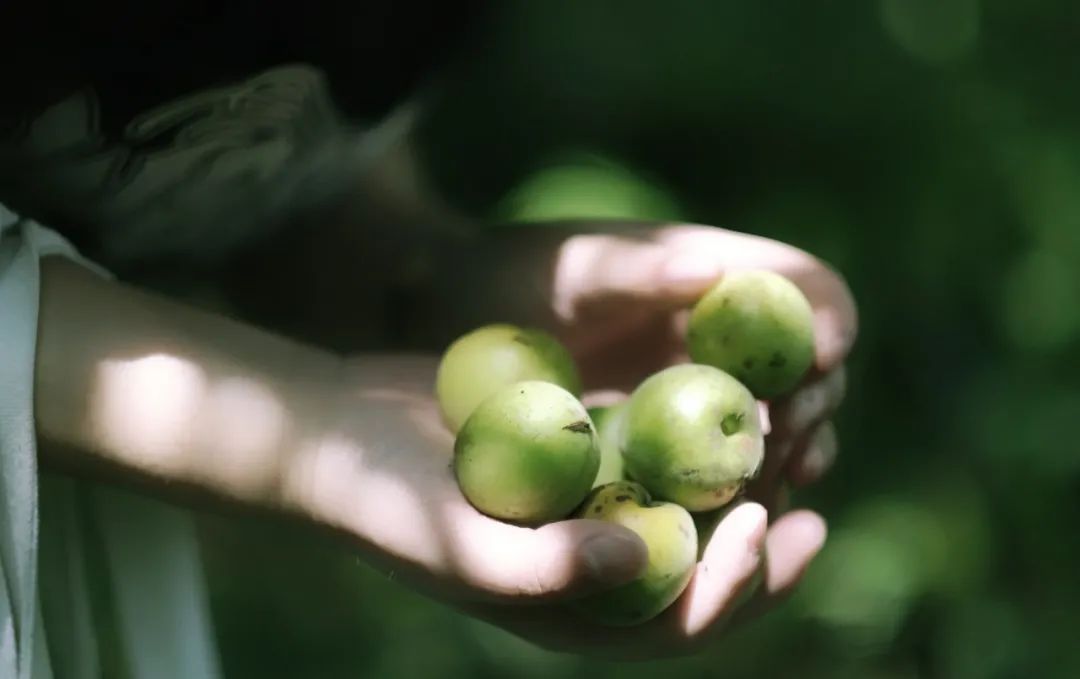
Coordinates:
(49,525)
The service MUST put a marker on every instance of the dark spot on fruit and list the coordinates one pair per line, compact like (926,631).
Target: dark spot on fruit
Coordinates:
(748,363)
(579,427)
(777,360)
(523,339)
(725,340)
(597,509)
(731,423)
(622,498)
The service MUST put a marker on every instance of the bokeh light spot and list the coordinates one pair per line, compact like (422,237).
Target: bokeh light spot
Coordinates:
(934,31)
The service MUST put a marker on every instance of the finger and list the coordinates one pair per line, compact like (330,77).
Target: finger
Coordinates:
(700,255)
(559,561)
(791,545)
(811,404)
(731,565)
(603,398)
(592,267)
(812,464)
(794,418)
(724,575)
(765,417)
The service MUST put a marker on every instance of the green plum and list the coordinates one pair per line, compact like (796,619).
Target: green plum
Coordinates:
(481,362)
(668,532)
(757,326)
(609,422)
(693,436)
(527,454)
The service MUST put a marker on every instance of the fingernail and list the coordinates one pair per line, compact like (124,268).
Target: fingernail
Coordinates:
(612,558)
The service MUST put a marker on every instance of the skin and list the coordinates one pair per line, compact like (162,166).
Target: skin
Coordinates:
(487,359)
(757,326)
(363,456)
(608,421)
(667,530)
(527,454)
(693,436)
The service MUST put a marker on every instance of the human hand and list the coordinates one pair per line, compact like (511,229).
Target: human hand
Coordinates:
(618,295)
(622,294)
(380,478)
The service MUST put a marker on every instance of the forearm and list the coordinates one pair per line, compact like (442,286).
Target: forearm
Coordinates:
(132,386)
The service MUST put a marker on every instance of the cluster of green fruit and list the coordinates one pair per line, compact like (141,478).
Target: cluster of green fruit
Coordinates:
(680,448)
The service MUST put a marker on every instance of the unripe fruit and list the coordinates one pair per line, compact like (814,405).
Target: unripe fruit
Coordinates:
(527,454)
(483,361)
(609,423)
(693,436)
(668,532)
(758,327)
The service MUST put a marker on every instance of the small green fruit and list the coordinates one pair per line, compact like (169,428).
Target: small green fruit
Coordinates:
(528,453)
(758,327)
(609,422)
(693,436)
(668,532)
(481,362)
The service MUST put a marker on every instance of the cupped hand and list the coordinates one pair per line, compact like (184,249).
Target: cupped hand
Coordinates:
(618,295)
(381,479)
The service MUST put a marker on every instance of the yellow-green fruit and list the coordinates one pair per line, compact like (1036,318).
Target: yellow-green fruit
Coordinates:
(479,363)
(527,454)
(668,532)
(693,436)
(609,421)
(757,326)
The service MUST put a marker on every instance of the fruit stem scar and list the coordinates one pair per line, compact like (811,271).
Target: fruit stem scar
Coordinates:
(579,427)
(731,423)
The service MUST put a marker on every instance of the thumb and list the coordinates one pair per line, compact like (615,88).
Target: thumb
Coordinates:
(556,562)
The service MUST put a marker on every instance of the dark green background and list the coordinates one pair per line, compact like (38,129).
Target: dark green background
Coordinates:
(930,150)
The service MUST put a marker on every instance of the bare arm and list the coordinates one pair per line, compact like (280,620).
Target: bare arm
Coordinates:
(133,386)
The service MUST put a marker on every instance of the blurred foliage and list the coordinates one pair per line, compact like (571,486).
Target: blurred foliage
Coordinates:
(930,150)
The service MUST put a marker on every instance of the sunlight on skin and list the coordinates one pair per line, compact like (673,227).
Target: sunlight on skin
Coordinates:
(147,406)
(586,264)
(247,422)
(835,314)
(331,478)
(163,411)
(731,560)
(677,264)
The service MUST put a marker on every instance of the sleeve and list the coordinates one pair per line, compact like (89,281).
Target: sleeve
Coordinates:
(60,537)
